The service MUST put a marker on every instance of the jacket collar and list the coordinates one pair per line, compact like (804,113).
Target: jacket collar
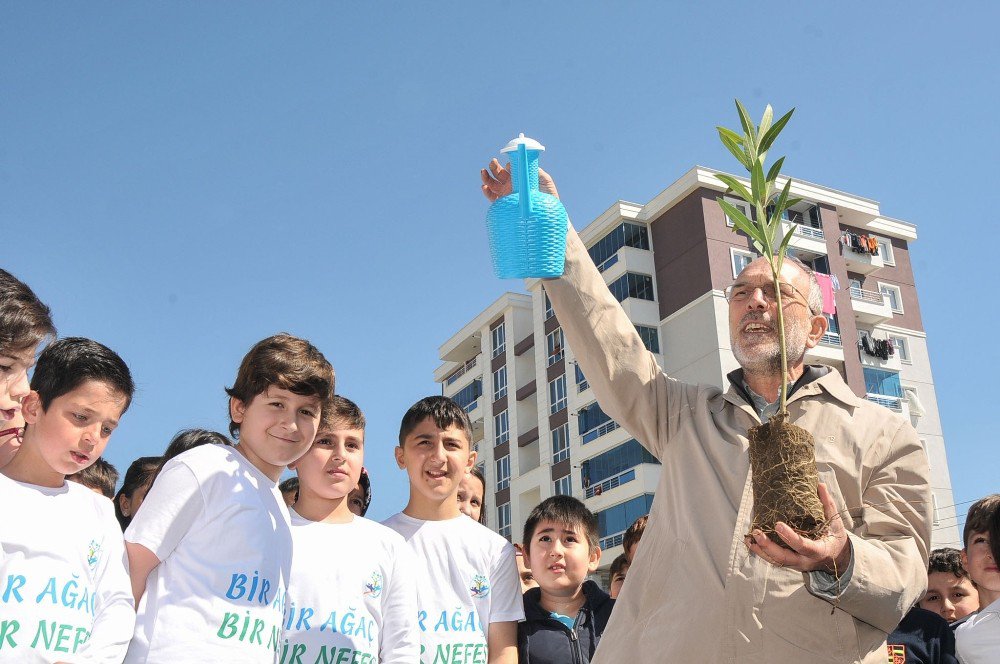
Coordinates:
(815,378)
(595,599)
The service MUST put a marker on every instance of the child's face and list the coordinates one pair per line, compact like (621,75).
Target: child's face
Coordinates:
(978,560)
(951,597)
(14,365)
(356,501)
(332,466)
(470,497)
(617,581)
(560,558)
(527,579)
(129,505)
(436,460)
(276,427)
(73,432)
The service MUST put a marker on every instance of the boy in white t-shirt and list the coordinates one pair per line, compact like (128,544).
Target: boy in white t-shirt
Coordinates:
(210,548)
(977,638)
(64,585)
(352,596)
(468,591)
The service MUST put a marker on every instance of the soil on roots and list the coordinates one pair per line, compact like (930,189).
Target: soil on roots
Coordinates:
(785,481)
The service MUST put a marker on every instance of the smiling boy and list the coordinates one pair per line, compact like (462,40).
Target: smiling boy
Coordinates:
(66,593)
(566,614)
(352,595)
(468,594)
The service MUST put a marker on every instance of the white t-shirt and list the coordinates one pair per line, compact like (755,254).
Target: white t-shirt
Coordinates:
(65,593)
(352,595)
(467,579)
(977,640)
(221,532)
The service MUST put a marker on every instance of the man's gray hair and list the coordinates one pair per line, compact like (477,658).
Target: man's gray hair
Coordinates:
(815,292)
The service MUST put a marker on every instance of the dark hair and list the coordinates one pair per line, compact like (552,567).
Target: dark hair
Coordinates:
(946,560)
(341,413)
(634,533)
(24,321)
(620,563)
(191,438)
(478,474)
(365,482)
(980,515)
(285,362)
(291,484)
(99,475)
(561,509)
(995,536)
(68,363)
(141,471)
(445,413)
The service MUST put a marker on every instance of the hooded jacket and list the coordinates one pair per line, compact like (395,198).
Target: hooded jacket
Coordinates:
(541,639)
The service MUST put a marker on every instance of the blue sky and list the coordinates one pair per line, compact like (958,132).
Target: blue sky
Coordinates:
(179,180)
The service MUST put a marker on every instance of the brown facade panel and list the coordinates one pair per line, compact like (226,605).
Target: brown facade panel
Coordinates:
(498,362)
(561,469)
(524,345)
(526,391)
(500,405)
(501,450)
(527,438)
(558,419)
(680,251)
(497,323)
(555,370)
(551,324)
(502,497)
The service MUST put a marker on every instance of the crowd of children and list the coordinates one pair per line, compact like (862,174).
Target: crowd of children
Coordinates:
(201,555)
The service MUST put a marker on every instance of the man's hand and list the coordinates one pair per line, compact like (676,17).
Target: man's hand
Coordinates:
(831,553)
(496,181)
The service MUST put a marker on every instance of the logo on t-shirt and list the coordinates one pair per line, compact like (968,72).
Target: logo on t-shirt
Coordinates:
(897,654)
(93,554)
(480,587)
(373,586)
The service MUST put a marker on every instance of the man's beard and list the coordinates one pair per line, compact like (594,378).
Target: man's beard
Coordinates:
(764,357)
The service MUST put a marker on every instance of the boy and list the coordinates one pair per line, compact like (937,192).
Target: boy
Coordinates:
(978,638)
(352,596)
(24,324)
(619,570)
(950,592)
(359,500)
(289,490)
(566,615)
(210,550)
(467,589)
(100,477)
(65,587)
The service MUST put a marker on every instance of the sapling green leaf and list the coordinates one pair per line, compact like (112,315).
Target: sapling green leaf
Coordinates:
(747,123)
(736,186)
(772,173)
(768,138)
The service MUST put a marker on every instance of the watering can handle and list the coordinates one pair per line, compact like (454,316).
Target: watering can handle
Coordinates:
(522,183)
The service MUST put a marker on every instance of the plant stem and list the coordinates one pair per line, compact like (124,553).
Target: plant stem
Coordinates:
(782,406)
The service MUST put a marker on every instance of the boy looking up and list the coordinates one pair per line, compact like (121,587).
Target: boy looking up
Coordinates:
(978,638)
(66,592)
(950,592)
(210,551)
(566,614)
(352,595)
(468,593)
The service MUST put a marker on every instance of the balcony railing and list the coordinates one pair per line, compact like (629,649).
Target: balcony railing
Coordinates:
(810,232)
(607,262)
(831,339)
(599,431)
(611,541)
(611,483)
(892,403)
(463,370)
(472,406)
(866,296)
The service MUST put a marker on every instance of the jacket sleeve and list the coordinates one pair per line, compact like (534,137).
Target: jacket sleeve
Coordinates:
(891,539)
(625,377)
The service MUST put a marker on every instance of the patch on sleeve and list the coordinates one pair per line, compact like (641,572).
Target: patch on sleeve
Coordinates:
(897,654)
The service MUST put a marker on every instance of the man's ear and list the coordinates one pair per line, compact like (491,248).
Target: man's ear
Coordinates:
(237,410)
(595,559)
(31,407)
(399,457)
(818,325)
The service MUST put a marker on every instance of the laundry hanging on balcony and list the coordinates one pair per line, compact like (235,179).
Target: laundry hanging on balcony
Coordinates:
(827,284)
(860,244)
(880,348)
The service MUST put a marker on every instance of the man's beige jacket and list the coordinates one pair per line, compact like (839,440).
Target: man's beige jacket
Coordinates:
(694,592)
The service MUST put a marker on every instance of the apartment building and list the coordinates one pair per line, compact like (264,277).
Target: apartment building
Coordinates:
(538,427)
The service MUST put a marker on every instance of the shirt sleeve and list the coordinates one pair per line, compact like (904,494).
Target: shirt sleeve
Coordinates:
(506,604)
(400,635)
(114,617)
(169,510)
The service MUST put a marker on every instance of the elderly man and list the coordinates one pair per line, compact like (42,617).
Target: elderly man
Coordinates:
(704,588)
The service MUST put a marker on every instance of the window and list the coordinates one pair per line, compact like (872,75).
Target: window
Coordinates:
(625,235)
(501,428)
(742,206)
(614,462)
(618,518)
(562,487)
(650,337)
(468,396)
(594,422)
(500,383)
(498,338)
(548,306)
(740,260)
(554,344)
(503,472)
(902,349)
(632,285)
(894,295)
(557,394)
(581,380)
(832,325)
(503,520)
(885,251)
(882,382)
(560,443)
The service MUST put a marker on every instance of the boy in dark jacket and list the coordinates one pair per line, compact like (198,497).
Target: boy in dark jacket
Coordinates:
(566,614)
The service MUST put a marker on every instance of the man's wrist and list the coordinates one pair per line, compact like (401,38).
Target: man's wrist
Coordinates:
(839,565)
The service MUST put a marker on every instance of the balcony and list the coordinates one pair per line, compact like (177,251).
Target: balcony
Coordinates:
(462,370)
(598,431)
(861,263)
(891,364)
(830,349)
(806,238)
(895,404)
(870,307)
(627,259)
(610,483)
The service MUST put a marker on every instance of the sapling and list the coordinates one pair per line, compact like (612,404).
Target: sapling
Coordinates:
(782,455)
